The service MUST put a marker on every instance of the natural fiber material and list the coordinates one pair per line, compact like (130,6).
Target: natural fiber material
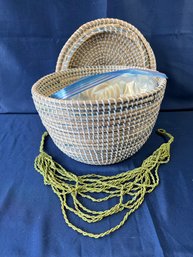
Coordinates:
(134,184)
(98,131)
(106,42)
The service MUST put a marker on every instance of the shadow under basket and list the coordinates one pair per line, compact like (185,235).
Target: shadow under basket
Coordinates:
(96,132)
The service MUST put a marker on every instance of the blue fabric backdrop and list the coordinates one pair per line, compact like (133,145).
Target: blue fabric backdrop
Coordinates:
(31,221)
(32,34)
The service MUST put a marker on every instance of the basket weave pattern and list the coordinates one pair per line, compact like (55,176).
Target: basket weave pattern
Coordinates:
(106,42)
(104,131)
(96,132)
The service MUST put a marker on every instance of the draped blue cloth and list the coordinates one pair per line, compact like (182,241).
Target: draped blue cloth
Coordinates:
(32,34)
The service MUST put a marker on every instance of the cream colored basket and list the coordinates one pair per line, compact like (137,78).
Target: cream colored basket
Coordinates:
(106,131)
(106,42)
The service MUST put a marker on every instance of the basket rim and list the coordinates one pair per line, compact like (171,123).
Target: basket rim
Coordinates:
(137,97)
(71,43)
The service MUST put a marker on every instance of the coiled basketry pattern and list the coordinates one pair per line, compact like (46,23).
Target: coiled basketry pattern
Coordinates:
(106,42)
(96,132)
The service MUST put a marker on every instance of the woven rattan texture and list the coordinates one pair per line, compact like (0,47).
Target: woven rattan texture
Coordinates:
(96,132)
(106,42)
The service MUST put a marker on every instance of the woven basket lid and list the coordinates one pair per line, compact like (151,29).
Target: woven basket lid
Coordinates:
(106,42)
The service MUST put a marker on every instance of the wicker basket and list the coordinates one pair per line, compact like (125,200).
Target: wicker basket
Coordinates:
(106,42)
(105,131)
